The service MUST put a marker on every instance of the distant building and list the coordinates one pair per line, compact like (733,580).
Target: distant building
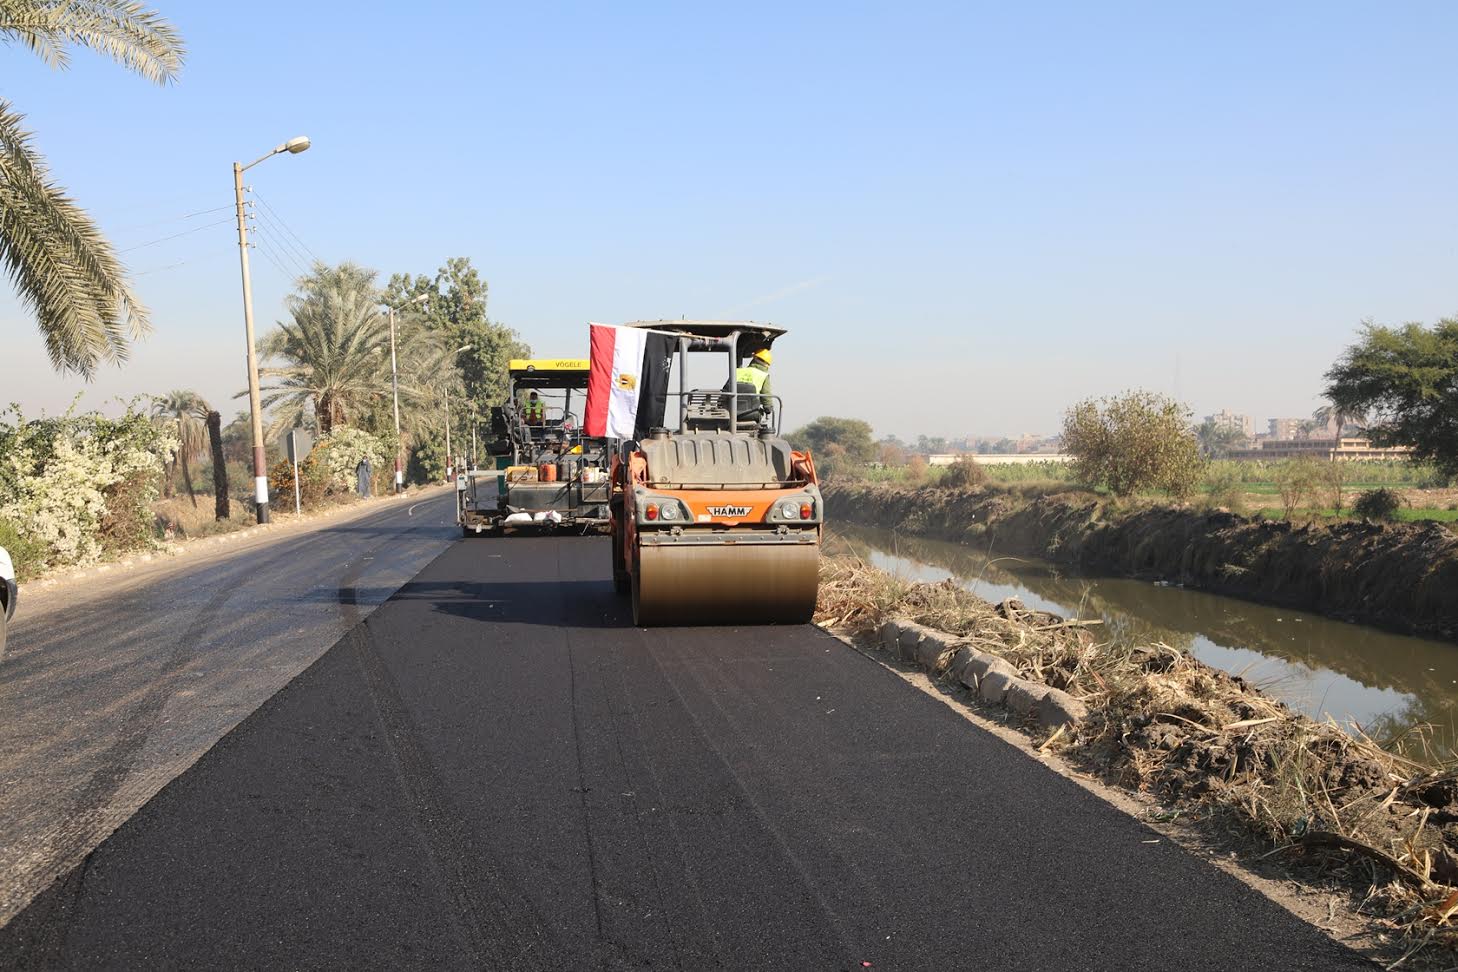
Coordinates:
(1342,449)
(1227,420)
(997,458)
(1285,428)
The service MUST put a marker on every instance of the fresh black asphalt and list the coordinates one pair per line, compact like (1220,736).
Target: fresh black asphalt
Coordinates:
(496,771)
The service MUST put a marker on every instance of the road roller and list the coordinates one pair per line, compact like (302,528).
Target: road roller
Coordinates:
(717,520)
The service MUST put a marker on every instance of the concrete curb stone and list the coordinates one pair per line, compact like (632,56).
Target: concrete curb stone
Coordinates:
(994,686)
(988,675)
(1058,708)
(934,646)
(1025,698)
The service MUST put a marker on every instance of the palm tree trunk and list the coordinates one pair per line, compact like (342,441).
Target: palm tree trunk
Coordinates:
(220,467)
(187,478)
(167,478)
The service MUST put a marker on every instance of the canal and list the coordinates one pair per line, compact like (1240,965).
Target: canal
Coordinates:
(1384,683)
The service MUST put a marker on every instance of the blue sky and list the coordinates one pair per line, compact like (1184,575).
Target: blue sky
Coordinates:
(968,215)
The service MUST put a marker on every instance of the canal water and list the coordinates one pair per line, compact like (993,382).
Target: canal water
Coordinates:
(1359,676)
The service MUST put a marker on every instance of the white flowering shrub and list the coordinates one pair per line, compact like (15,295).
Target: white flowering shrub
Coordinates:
(345,448)
(78,486)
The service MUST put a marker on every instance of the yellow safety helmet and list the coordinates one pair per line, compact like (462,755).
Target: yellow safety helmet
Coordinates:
(763,355)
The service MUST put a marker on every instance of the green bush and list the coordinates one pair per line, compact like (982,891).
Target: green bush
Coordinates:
(79,487)
(1378,504)
(1132,443)
(26,553)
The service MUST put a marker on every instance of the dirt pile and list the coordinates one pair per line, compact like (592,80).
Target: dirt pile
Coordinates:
(1399,576)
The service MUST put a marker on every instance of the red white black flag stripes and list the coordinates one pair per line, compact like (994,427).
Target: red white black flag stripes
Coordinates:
(627,385)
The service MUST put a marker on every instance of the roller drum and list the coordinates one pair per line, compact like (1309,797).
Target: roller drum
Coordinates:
(725,583)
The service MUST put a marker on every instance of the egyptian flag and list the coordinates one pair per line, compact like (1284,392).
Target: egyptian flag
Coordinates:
(627,386)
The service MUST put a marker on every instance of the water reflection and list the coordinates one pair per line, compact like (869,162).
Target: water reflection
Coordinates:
(1383,682)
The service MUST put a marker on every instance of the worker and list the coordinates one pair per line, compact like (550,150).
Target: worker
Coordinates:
(535,410)
(756,374)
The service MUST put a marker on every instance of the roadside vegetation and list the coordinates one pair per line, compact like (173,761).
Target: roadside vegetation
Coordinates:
(84,487)
(1377,825)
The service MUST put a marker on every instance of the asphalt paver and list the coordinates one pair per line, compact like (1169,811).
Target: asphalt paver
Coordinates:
(495,770)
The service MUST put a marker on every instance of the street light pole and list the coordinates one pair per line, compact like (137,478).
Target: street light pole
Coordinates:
(395,388)
(449,469)
(260,465)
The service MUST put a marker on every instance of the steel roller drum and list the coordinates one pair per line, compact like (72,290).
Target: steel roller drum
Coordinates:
(726,583)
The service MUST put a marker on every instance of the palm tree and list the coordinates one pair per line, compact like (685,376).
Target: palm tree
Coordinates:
(334,355)
(187,413)
(65,270)
(1331,414)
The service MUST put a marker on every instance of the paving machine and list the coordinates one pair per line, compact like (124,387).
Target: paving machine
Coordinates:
(716,520)
(545,473)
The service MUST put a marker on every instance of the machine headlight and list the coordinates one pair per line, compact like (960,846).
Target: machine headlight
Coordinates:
(790,510)
(669,511)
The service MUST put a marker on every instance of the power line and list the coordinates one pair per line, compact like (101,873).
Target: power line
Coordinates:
(183,263)
(164,239)
(285,225)
(267,249)
(173,219)
(280,240)
(268,237)
(270,258)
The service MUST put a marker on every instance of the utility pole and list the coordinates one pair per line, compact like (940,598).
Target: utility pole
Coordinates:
(255,407)
(452,357)
(395,388)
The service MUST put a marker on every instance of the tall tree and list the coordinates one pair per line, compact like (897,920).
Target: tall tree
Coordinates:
(66,272)
(1405,380)
(455,306)
(329,364)
(186,413)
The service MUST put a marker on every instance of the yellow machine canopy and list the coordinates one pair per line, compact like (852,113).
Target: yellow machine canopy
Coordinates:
(549,372)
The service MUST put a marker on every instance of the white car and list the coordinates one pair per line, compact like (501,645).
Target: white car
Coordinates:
(8,593)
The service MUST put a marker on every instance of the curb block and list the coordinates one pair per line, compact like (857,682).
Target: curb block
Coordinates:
(994,686)
(991,677)
(1025,698)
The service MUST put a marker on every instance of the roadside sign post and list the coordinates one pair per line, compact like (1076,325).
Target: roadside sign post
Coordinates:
(300,442)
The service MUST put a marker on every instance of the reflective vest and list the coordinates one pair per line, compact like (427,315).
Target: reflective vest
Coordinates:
(752,376)
(535,409)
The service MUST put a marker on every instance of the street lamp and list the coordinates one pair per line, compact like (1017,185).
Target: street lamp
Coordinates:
(395,387)
(260,466)
(464,347)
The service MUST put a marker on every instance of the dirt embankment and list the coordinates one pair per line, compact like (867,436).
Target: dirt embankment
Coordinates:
(1399,576)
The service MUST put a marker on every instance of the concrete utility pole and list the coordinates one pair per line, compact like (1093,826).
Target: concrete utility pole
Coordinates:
(449,469)
(395,388)
(260,465)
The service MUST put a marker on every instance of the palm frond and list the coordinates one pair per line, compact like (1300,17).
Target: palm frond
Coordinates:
(65,270)
(130,33)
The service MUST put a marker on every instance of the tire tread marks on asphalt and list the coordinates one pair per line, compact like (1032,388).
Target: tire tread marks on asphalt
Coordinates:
(495,918)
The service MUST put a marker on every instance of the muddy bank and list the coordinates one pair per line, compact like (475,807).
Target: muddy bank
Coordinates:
(1400,576)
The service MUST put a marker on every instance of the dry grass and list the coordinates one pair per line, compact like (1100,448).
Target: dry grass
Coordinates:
(1205,743)
(177,518)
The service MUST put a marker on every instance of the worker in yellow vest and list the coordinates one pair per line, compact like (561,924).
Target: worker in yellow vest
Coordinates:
(535,410)
(756,373)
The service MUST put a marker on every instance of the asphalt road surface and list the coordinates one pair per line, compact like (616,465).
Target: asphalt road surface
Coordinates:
(117,682)
(494,770)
